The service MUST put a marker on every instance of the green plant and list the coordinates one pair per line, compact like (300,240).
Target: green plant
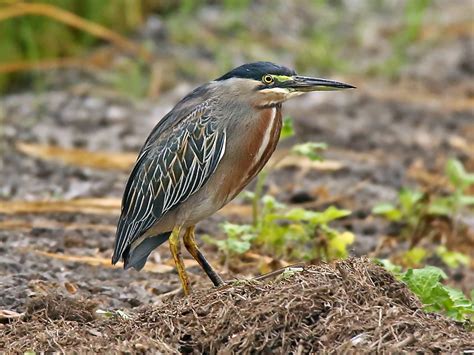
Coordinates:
(426,284)
(238,239)
(413,208)
(460,181)
(311,150)
(452,259)
(293,233)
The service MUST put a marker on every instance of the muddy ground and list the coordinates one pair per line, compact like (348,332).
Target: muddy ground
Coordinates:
(383,136)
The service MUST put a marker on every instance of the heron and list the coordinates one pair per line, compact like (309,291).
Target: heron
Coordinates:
(200,155)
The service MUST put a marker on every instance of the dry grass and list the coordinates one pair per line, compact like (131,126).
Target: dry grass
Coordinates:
(331,308)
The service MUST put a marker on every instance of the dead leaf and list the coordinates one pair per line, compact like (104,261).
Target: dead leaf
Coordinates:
(308,164)
(462,145)
(233,209)
(7,315)
(104,206)
(105,262)
(79,157)
(456,29)
(70,287)
(418,172)
(23,225)
(109,206)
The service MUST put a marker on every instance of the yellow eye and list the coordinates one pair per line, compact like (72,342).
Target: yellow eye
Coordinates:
(267,79)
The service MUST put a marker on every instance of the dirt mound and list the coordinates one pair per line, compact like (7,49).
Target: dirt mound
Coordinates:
(347,305)
(58,307)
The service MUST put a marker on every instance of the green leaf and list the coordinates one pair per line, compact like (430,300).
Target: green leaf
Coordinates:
(235,230)
(458,297)
(310,150)
(457,175)
(287,128)
(388,210)
(239,246)
(408,199)
(288,272)
(387,264)
(247,195)
(466,200)
(452,258)
(424,283)
(300,215)
(330,214)
(316,218)
(338,244)
(414,256)
(122,314)
(442,206)
(270,204)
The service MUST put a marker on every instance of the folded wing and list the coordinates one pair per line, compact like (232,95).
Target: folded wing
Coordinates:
(168,171)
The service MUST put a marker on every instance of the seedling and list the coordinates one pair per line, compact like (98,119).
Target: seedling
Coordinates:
(288,233)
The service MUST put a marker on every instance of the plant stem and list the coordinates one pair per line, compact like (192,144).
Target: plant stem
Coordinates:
(261,178)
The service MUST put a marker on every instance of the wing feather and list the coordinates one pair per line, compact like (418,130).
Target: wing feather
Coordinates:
(168,171)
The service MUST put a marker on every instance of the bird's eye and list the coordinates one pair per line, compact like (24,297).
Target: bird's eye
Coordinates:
(267,79)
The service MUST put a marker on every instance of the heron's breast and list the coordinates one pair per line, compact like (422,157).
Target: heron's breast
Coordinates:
(250,155)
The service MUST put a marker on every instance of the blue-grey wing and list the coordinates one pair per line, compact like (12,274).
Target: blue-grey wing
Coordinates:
(167,172)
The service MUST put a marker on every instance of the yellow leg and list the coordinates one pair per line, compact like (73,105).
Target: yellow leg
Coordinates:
(193,249)
(175,248)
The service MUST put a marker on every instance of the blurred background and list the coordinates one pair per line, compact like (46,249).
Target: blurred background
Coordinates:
(83,82)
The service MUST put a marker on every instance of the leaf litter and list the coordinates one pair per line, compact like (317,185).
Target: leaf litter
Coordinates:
(350,305)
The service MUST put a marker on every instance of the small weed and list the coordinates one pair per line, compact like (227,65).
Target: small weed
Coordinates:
(288,272)
(311,150)
(117,313)
(436,297)
(238,241)
(288,233)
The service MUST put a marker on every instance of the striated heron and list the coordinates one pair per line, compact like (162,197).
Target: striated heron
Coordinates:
(200,156)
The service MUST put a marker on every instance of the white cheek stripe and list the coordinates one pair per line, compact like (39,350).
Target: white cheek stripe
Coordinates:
(266,137)
(278,91)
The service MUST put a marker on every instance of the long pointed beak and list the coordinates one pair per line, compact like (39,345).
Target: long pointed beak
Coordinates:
(305,84)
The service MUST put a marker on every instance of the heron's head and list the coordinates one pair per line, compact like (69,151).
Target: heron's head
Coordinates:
(265,84)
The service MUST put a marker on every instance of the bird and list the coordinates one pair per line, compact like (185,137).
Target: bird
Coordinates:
(200,155)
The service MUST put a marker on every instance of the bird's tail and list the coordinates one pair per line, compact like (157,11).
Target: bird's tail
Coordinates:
(137,256)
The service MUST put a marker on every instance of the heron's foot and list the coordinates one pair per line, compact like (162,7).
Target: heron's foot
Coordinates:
(190,244)
(175,248)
